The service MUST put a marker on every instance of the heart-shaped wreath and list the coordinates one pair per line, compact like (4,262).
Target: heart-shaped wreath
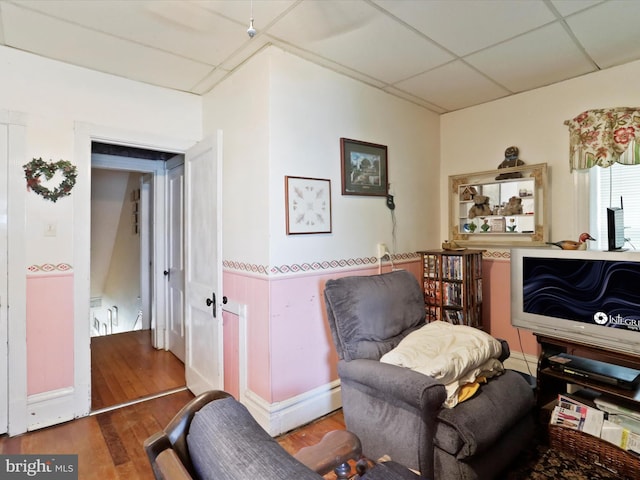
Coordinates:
(37,167)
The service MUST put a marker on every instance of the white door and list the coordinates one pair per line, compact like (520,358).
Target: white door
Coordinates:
(4,401)
(203,272)
(174,271)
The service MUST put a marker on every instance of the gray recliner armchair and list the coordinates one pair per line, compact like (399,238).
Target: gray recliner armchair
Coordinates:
(398,411)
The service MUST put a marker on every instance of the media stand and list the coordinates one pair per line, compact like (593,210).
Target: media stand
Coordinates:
(551,382)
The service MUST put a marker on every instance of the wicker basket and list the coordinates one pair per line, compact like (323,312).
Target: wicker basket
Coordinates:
(595,450)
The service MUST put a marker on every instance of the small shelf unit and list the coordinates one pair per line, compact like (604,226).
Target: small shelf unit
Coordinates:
(452,284)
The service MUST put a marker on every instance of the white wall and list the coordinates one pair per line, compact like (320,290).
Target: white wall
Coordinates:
(240,107)
(108,190)
(285,116)
(474,139)
(122,285)
(312,108)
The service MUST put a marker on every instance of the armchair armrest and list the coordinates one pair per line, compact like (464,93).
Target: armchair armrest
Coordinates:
(164,460)
(169,466)
(506,351)
(335,448)
(390,381)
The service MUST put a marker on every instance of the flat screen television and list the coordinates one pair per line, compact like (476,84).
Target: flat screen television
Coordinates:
(584,296)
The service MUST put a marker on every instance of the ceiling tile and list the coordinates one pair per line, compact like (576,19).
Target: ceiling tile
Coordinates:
(210,81)
(325,62)
(80,46)
(453,86)
(241,10)
(196,33)
(465,26)
(417,100)
(611,42)
(568,7)
(525,62)
(237,59)
(360,36)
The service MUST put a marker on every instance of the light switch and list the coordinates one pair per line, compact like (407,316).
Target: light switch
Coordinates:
(50,230)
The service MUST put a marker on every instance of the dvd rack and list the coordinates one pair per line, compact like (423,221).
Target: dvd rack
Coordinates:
(452,283)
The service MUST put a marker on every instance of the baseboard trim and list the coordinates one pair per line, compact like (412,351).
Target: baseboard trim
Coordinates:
(50,408)
(522,362)
(280,417)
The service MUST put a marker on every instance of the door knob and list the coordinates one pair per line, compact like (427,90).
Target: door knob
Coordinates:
(212,302)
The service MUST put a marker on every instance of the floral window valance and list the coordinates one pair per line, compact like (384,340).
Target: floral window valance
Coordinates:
(603,137)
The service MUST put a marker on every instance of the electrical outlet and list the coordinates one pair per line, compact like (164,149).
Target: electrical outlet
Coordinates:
(382,250)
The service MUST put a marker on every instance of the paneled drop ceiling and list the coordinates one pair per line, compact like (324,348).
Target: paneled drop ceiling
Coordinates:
(442,54)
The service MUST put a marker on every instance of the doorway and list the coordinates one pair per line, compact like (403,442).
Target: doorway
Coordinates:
(128,359)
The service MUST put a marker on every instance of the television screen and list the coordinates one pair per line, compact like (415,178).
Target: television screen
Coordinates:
(596,292)
(587,296)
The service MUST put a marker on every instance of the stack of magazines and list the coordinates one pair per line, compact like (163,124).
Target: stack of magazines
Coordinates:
(622,426)
(600,418)
(574,414)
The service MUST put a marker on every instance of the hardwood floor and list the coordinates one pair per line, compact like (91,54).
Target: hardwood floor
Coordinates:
(126,367)
(109,444)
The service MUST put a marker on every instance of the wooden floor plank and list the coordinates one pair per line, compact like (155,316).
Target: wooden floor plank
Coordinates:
(126,367)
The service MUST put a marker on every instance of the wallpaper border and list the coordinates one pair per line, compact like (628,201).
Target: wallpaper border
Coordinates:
(286,269)
(50,268)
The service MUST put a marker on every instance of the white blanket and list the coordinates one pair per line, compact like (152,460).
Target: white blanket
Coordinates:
(454,354)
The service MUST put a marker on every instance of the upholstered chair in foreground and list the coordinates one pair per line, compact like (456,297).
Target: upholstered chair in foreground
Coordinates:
(215,437)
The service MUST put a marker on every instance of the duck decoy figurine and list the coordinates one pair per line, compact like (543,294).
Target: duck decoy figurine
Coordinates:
(572,244)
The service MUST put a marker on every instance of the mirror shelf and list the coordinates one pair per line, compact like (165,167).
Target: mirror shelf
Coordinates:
(503,207)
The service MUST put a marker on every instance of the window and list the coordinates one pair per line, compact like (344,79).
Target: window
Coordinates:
(607,186)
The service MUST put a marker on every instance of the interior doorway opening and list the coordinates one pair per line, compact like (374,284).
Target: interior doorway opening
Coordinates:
(129,360)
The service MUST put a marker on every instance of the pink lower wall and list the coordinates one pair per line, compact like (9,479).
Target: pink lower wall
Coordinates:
(303,356)
(253,291)
(289,345)
(496,306)
(50,332)
(231,353)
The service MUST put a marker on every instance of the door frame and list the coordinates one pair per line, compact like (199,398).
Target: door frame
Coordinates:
(16,356)
(85,134)
(147,260)
(175,245)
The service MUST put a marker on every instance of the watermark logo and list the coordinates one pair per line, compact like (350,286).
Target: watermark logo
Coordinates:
(600,318)
(629,323)
(50,467)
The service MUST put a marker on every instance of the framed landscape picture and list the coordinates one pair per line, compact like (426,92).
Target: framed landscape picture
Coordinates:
(364,168)
(308,203)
